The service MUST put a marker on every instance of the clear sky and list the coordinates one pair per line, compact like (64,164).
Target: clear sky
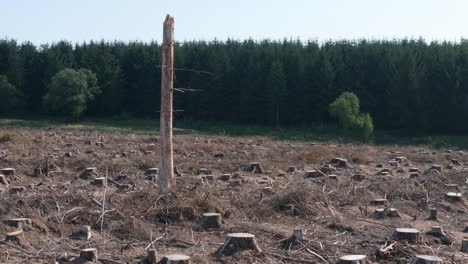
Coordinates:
(45,21)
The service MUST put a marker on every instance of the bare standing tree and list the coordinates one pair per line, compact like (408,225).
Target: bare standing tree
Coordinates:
(166,172)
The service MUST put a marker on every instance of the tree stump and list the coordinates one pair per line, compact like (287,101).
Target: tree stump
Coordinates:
(424,259)
(91,170)
(379,213)
(152,256)
(212,220)
(100,144)
(17,189)
(414,175)
(379,202)
(237,242)
(454,197)
(410,234)
(218,155)
(8,172)
(314,174)
(101,181)
(89,254)
(176,259)
(88,172)
(18,222)
(414,170)
(353,259)
(224,177)
(14,237)
(433,215)
(297,236)
(236,183)
(452,187)
(82,232)
(464,245)
(339,162)
(152,171)
(333,177)
(3,180)
(359,177)
(455,162)
(436,167)
(38,172)
(291,169)
(255,167)
(392,212)
(437,231)
(401,159)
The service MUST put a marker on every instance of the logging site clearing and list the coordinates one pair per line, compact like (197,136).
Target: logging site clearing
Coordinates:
(81,196)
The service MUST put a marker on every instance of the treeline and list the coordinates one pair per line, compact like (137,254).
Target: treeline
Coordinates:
(403,84)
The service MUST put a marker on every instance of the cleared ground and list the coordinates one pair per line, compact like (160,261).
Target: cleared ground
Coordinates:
(335,214)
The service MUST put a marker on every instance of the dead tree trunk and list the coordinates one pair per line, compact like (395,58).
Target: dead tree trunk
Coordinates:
(166,176)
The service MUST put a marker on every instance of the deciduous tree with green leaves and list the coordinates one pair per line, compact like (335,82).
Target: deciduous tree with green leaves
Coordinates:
(10,97)
(346,109)
(69,91)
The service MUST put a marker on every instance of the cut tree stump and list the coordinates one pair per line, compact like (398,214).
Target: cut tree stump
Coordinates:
(339,162)
(410,234)
(176,259)
(88,172)
(379,213)
(314,174)
(452,187)
(212,220)
(89,254)
(424,259)
(236,183)
(393,212)
(14,237)
(353,259)
(3,180)
(8,172)
(433,215)
(18,222)
(17,189)
(237,242)
(297,236)
(464,245)
(224,177)
(152,256)
(291,169)
(82,232)
(452,196)
(100,144)
(436,167)
(91,170)
(414,175)
(437,231)
(359,177)
(101,181)
(38,172)
(152,171)
(255,167)
(401,159)
(379,202)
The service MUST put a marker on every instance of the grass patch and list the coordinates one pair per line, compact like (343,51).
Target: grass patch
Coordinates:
(6,138)
(321,133)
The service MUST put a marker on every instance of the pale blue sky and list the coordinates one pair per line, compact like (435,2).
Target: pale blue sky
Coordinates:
(45,21)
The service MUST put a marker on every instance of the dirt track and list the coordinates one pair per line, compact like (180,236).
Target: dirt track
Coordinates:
(335,214)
